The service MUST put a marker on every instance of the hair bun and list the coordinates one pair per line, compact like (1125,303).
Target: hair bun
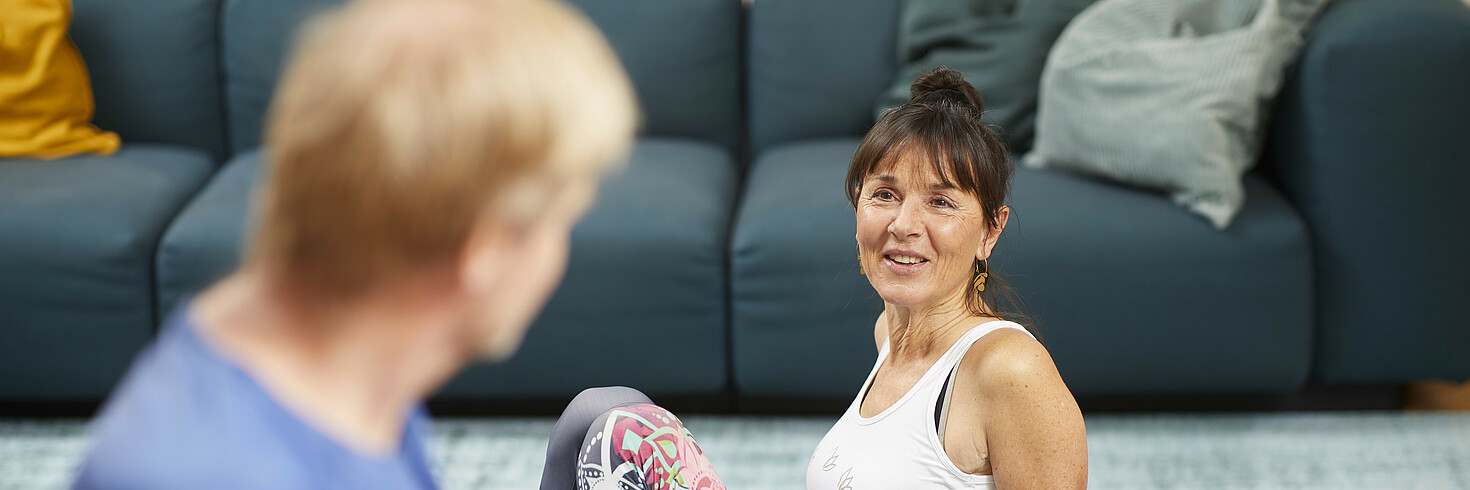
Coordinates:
(945,83)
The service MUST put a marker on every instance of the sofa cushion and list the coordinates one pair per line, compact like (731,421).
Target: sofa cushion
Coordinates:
(154,66)
(999,45)
(683,58)
(1168,96)
(801,320)
(643,301)
(205,241)
(256,37)
(1133,294)
(817,66)
(646,270)
(75,264)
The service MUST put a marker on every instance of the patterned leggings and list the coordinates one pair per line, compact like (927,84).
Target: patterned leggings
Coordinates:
(617,439)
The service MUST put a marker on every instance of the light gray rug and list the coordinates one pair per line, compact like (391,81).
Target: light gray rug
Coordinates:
(1386,450)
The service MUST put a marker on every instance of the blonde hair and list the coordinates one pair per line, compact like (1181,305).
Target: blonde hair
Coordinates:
(400,124)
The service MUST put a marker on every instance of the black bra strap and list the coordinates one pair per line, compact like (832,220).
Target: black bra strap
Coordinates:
(941,406)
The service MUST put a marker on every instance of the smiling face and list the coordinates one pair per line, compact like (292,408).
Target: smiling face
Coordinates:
(919,237)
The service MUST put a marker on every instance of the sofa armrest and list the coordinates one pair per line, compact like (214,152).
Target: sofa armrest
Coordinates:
(1370,139)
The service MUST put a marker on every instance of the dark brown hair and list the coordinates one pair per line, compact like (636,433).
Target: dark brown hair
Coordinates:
(942,123)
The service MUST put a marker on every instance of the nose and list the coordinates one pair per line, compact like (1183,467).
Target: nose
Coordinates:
(909,223)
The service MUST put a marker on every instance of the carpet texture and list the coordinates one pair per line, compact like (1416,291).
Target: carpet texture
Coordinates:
(1381,450)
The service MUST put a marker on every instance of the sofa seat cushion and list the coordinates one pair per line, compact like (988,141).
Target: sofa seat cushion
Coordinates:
(205,241)
(76,254)
(646,271)
(1133,294)
(644,299)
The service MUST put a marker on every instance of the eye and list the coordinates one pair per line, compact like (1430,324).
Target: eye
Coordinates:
(883,195)
(941,202)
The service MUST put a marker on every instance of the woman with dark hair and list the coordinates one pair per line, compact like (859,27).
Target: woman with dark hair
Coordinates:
(959,397)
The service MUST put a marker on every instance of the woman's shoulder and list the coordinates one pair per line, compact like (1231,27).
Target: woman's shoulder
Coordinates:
(1028,415)
(1006,360)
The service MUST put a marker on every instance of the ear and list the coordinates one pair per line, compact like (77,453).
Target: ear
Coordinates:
(484,259)
(992,235)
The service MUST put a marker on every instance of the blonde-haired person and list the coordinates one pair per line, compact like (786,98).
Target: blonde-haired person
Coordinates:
(427,161)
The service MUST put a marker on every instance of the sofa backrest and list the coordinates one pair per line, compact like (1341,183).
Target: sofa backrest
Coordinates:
(683,57)
(816,67)
(154,69)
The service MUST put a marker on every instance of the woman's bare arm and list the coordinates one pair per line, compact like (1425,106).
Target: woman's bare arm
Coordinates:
(1033,429)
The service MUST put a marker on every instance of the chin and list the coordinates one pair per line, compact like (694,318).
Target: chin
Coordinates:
(494,344)
(500,350)
(901,296)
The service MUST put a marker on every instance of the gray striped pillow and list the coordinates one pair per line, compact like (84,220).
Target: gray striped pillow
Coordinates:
(1168,94)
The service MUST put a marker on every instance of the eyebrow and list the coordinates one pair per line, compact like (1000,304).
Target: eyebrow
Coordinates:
(890,180)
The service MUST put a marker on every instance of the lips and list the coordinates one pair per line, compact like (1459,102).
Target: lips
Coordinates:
(904,263)
(905,259)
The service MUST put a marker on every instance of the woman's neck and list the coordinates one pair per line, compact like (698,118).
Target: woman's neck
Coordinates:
(916,333)
(353,372)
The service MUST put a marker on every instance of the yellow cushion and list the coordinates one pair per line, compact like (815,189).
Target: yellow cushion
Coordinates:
(45,97)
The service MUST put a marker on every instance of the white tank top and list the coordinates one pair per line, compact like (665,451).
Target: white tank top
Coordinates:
(899,447)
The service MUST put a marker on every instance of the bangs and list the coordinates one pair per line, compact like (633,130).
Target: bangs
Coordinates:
(953,168)
(950,148)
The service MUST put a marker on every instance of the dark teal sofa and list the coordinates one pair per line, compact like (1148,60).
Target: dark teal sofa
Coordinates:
(1344,269)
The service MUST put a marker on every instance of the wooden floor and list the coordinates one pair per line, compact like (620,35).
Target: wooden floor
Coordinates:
(1439,395)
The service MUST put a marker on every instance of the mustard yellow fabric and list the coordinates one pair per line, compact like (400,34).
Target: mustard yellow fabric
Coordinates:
(45,96)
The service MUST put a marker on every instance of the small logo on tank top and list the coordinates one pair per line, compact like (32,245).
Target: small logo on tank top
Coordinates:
(845,482)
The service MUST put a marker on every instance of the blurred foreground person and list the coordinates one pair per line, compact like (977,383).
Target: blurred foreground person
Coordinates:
(427,161)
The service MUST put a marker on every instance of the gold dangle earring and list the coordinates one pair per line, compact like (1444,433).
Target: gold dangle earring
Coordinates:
(981,275)
(860,262)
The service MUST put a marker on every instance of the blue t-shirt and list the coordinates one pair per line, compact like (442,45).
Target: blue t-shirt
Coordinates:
(187,418)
